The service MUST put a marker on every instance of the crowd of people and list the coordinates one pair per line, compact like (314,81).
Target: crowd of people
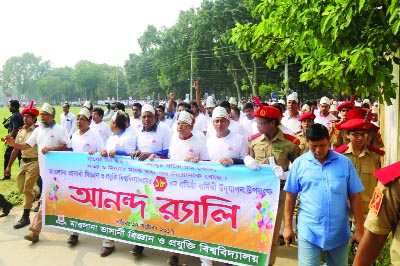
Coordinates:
(325,154)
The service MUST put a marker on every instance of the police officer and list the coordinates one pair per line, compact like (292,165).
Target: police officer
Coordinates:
(383,218)
(306,120)
(272,146)
(338,137)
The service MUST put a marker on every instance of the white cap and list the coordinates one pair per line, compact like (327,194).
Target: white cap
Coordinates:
(84,111)
(210,102)
(232,100)
(47,108)
(305,107)
(333,108)
(324,100)
(148,108)
(375,103)
(87,104)
(220,112)
(186,117)
(281,101)
(293,97)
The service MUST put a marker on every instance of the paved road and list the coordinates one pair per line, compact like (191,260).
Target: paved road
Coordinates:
(52,249)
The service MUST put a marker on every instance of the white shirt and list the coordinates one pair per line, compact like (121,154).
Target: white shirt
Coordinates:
(234,127)
(136,122)
(69,122)
(247,125)
(48,137)
(292,123)
(88,141)
(102,129)
(232,146)
(155,140)
(122,141)
(180,149)
(325,120)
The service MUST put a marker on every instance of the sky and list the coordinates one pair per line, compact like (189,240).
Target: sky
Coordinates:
(67,31)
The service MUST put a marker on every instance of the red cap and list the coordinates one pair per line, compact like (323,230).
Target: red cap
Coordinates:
(388,173)
(359,113)
(347,104)
(307,115)
(266,111)
(356,124)
(30,110)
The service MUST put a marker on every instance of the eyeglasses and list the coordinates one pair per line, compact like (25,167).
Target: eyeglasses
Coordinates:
(260,124)
(359,134)
(344,110)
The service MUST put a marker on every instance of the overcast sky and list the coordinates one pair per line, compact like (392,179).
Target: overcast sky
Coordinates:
(66,31)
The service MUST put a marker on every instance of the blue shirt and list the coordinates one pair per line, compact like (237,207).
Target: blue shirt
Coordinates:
(324,190)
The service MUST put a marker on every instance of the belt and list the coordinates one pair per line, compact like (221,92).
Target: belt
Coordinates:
(28,160)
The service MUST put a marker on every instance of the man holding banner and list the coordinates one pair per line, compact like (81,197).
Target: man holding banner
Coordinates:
(48,137)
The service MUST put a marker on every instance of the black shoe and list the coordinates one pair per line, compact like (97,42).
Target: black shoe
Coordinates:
(22,223)
(173,261)
(6,177)
(137,251)
(72,240)
(281,240)
(6,209)
(37,207)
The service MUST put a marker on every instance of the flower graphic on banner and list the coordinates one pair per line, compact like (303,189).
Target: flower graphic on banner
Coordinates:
(263,219)
(53,194)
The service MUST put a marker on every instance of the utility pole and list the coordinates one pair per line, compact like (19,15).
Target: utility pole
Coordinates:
(117,85)
(191,76)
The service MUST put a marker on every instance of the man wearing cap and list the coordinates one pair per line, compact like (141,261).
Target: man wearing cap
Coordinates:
(333,110)
(291,119)
(48,137)
(16,121)
(337,136)
(324,117)
(383,218)
(271,146)
(306,120)
(28,171)
(153,139)
(328,185)
(366,159)
(68,119)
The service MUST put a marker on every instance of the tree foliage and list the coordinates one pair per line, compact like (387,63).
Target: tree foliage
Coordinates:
(343,45)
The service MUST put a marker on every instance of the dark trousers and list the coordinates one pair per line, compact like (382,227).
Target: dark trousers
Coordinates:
(7,155)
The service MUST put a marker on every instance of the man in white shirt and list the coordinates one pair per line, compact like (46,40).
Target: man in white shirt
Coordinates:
(136,119)
(68,119)
(249,121)
(99,126)
(291,120)
(324,117)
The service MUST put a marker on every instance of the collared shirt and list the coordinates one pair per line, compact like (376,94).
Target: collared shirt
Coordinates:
(16,121)
(69,122)
(292,122)
(283,150)
(156,140)
(23,134)
(303,146)
(248,124)
(123,141)
(366,164)
(48,137)
(324,190)
(388,217)
(325,120)
(102,129)
(136,122)
(232,146)
(88,141)
(180,149)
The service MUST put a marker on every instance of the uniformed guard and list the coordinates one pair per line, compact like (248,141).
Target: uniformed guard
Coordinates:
(338,137)
(306,120)
(365,158)
(383,218)
(272,146)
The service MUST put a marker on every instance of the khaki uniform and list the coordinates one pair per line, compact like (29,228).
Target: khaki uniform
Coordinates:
(366,164)
(28,171)
(303,147)
(339,137)
(284,151)
(384,216)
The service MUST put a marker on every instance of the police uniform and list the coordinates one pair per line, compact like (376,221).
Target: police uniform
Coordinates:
(337,136)
(284,149)
(366,163)
(301,135)
(384,208)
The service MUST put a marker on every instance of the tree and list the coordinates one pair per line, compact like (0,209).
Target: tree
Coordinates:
(21,73)
(343,45)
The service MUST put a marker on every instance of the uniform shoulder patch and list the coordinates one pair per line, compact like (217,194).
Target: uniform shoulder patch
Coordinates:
(253,136)
(376,201)
(292,138)
(376,150)
(341,148)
